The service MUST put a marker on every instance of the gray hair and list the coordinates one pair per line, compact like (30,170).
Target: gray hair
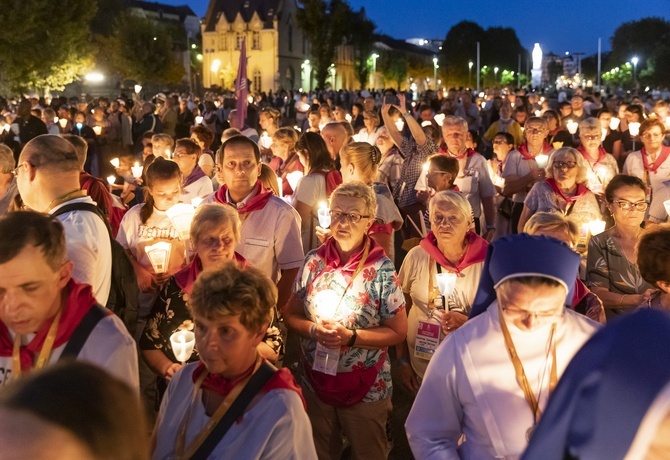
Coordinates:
(550,221)
(560,155)
(451,197)
(453,120)
(589,124)
(214,215)
(7,162)
(357,189)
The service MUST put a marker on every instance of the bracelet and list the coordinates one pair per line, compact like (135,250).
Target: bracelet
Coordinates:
(311,331)
(352,340)
(401,361)
(621,300)
(406,114)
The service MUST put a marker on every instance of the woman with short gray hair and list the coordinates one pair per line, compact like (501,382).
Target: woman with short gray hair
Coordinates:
(8,188)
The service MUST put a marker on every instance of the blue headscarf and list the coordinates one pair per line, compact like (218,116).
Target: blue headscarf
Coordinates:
(525,255)
(606,391)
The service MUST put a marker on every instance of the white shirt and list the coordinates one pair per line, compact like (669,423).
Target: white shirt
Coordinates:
(275,426)
(88,247)
(470,387)
(109,346)
(634,167)
(198,189)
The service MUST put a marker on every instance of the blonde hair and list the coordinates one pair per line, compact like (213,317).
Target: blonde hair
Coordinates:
(560,155)
(158,140)
(374,116)
(269,179)
(549,222)
(286,136)
(212,215)
(454,198)
(357,189)
(364,157)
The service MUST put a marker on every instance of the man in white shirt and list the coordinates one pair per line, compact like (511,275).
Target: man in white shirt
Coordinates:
(47,177)
(45,315)
(491,378)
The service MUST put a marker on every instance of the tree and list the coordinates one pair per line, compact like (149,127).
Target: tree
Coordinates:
(141,49)
(638,38)
(393,66)
(325,25)
(362,41)
(44,44)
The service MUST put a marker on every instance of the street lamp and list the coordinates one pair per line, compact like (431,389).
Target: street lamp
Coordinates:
(374,68)
(435,66)
(469,73)
(634,61)
(495,74)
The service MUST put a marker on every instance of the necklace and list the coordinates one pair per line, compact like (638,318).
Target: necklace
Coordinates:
(522,379)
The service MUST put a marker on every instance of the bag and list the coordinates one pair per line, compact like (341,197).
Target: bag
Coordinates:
(124,291)
(505,208)
(345,388)
(333,180)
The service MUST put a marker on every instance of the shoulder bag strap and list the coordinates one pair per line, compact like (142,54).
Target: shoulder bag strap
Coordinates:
(253,387)
(83,331)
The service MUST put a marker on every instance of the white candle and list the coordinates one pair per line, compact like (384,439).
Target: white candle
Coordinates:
(439,118)
(324,215)
(198,120)
(634,128)
(446,283)
(666,204)
(183,344)
(280,184)
(138,88)
(159,256)
(62,122)
(572,126)
(538,113)
(115,162)
(181,215)
(541,160)
(197,201)
(604,134)
(400,124)
(325,305)
(111,180)
(614,123)
(426,123)
(597,226)
(265,141)
(55,120)
(167,153)
(348,118)
(137,170)
(97,130)
(667,122)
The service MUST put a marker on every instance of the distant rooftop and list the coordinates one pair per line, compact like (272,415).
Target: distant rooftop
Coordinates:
(267,11)
(182,11)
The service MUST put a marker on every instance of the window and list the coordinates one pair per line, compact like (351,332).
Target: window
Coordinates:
(240,39)
(256,40)
(223,39)
(256,83)
(290,37)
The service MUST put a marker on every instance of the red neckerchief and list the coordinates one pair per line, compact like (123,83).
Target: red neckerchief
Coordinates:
(328,253)
(79,301)
(581,190)
(581,291)
(660,159)
(253,204)
(601,154)
(556,131)
(523,150)
(187,275)
(455,188)
(196,174)
(468,153)
(475,251)
(280,380)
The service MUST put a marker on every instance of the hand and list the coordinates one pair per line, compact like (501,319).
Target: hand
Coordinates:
(327,335)
(451,321)
(402,104)
(423,196)
(160,278)
(538,173)
(145,280)
(322,233)
(648,293)
(409,378)
(171,370)
(386,108)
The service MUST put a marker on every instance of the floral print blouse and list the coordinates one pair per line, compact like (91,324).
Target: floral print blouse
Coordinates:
(607,267)
(170,314)
(375,295)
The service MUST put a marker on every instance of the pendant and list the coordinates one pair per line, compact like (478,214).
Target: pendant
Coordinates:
(529,433)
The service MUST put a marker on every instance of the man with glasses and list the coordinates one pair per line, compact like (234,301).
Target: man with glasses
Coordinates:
(270,238)
(47,177)
(652,162)
(196,183)
(491,378)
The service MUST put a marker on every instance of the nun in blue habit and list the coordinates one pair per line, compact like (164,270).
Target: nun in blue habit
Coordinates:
(613,400)
(490,380)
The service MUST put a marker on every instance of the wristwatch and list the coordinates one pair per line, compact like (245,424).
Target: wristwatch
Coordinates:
(352,340)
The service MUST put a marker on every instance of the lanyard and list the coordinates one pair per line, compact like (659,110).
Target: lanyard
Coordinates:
(180,446)
(45,352)
(521,378)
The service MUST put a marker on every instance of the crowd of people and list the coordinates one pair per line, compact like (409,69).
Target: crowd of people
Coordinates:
(248,287)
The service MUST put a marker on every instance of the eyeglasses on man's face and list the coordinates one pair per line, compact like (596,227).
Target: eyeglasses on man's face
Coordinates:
(351,217)
(628,206)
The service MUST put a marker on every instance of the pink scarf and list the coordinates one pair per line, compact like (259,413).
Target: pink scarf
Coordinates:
(475,251)
(253,204)
(187,275)
(581,191)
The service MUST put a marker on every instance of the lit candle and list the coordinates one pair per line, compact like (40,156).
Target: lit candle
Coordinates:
(667,122)
(541,160)
(426,123)
(56,120)
(265,141)
(325,303)
(197,201)
(97,130)
(115,162)
(79,126)
(538,113)
(198,120)
(348,118)
(572,126)
(356,137)
(614,123)
(439,118)
(138,88)
(666,204)
(603,134)
(137,170)
(183,344)
(159,256)
(250,99)
(596,226)
(400,124)
(280,184)
(297,128)
(584,231)
(62,122)
(446,283)
(634,128)
(111,180)
(324,215)
(181,215)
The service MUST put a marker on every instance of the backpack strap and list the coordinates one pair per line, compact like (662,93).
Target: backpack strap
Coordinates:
(83,331)
(253,387)
(84,207)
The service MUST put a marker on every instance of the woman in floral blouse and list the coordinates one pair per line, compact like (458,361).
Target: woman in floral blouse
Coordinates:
(611,270)
(348,307)
(215,232)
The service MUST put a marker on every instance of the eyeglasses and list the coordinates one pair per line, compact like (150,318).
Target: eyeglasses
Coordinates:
(182,155)
(541,315)
(628,206)
(652,135)
(432,171)
(454,135)
(15,171)
(437,220)
(352,217)
(564,164)
(535,131)
(591,137)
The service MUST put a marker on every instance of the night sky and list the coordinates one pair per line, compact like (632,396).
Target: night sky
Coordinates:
(567,25)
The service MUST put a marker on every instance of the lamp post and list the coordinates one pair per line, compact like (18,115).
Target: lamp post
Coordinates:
(374,68)
(469,74)
(495,74)
(435,66)
(634,61)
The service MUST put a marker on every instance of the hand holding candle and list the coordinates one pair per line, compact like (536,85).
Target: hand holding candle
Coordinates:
(137,170)
(183,344)
(324,215)
(541,160)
